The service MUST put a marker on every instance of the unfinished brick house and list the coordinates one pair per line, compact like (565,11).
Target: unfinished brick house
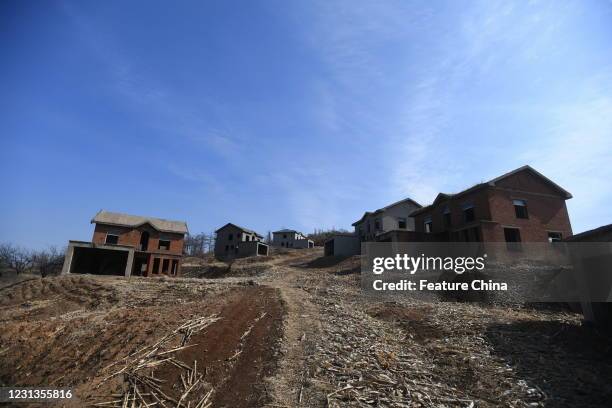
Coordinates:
(520,206)
(127,245)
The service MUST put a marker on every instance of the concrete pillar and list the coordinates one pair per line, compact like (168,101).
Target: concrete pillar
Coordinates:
(130,263)
(68,259)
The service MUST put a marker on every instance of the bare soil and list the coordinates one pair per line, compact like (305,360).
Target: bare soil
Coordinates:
(295,330)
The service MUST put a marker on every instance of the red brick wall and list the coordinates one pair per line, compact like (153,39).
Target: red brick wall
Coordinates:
(478,198)
(546,213)
(131,237)
(545,205)
(527,181)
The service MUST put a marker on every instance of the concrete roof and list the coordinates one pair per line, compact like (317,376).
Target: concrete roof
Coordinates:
(126,220)
(248,231)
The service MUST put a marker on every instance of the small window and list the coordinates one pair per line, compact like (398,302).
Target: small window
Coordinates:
(112,239)
(520,208)
(401,223)
(284,236)
(555,237)
(377,225)
(468,212)
(226,248)
(282,244)
(428,225)
(369,229)
(164,244)
(230,237)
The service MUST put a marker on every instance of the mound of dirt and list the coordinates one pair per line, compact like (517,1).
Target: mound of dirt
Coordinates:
(78,331)
(339,265)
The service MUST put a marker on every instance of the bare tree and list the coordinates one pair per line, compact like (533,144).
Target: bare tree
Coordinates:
(199,244)
(48,261)
(15,258)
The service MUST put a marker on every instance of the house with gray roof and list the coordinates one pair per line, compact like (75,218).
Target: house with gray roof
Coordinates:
(234,241)
(389,223)
(394,217)
(125,244)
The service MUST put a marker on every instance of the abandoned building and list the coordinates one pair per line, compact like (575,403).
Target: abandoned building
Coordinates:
(127,245)
(596,261)
(342,244)
(288,238)
(233,241)
(387,223)
(393,217)
(520,206)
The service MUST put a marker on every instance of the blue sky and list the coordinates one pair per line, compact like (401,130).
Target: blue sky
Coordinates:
(296,114)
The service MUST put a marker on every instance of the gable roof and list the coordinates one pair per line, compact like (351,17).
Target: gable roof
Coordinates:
(380,210)
(248,231)
(133,221)
(493,183)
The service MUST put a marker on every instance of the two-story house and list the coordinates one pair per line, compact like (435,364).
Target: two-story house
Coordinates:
(520,206)
(393,217)
(288,238)
(233,241)
(390,223)
(124,244)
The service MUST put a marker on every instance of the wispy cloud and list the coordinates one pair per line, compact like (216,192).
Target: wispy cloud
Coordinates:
(578,151)
(488,38)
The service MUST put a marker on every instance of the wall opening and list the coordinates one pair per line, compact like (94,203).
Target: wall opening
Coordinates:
(99,261)
(144,241)
(156,265)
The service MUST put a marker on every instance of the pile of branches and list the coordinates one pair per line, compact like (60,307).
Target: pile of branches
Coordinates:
(141,388)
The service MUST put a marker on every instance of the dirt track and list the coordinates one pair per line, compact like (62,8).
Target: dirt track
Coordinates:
(295,331)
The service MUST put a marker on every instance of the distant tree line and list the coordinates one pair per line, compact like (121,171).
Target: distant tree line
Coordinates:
(20,260)
(199,244)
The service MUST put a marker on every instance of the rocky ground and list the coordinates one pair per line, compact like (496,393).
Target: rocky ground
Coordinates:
(291,330)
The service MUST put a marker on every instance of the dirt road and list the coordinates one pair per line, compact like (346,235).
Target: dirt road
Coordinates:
(292,330)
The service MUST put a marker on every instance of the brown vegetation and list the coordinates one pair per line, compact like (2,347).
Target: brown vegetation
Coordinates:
(291,330)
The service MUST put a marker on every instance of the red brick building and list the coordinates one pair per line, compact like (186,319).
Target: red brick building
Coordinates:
(520,206)
(125,244)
